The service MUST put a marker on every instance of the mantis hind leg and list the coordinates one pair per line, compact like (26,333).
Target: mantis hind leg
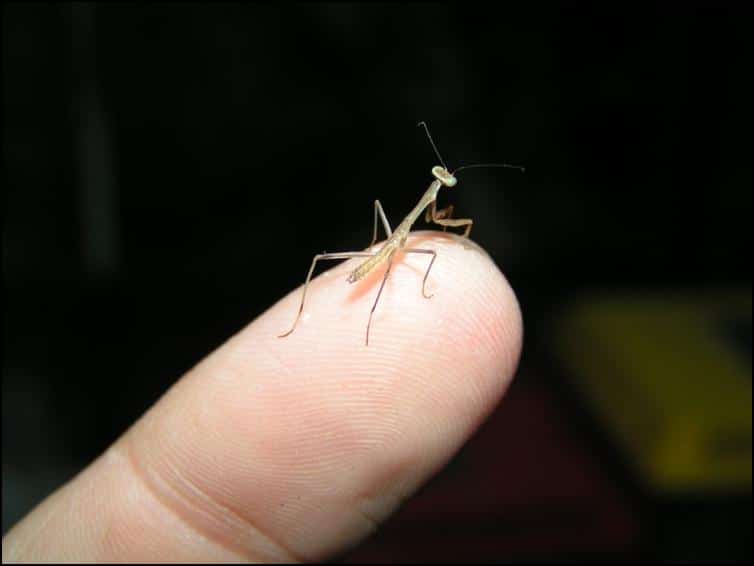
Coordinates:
(337,255)
(385,224)
(376,300)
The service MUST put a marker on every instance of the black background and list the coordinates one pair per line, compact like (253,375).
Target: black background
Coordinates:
(169,170)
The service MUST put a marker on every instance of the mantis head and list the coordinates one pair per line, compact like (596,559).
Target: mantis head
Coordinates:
(444,176)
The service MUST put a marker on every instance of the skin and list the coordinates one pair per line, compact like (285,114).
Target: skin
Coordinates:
(295,450)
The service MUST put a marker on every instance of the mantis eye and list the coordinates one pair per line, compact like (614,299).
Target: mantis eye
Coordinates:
(442,175)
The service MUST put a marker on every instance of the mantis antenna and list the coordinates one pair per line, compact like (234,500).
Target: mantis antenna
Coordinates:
(437,153)
(519,167)
(442,162)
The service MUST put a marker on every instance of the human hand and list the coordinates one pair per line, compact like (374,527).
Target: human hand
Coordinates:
(295,449)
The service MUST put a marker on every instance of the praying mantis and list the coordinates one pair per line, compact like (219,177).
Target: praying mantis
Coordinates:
(396,239)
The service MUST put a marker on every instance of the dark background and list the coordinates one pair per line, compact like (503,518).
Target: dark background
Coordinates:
(169,171)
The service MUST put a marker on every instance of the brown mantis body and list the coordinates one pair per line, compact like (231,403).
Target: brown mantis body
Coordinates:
(397,239)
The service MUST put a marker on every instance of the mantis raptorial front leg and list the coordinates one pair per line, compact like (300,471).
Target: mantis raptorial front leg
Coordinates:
(439,217)
(446,212)
(337,255)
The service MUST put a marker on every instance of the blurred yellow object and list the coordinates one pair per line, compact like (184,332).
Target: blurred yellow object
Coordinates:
(670,376)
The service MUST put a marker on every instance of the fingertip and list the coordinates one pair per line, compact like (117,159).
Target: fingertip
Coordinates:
(296,447)
(356,428)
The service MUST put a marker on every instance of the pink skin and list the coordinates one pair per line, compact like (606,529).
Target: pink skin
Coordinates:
(295,449)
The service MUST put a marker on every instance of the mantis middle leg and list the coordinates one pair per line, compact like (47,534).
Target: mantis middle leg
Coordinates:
(434,256)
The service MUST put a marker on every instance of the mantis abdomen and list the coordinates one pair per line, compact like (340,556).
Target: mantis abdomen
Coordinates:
(381,256)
